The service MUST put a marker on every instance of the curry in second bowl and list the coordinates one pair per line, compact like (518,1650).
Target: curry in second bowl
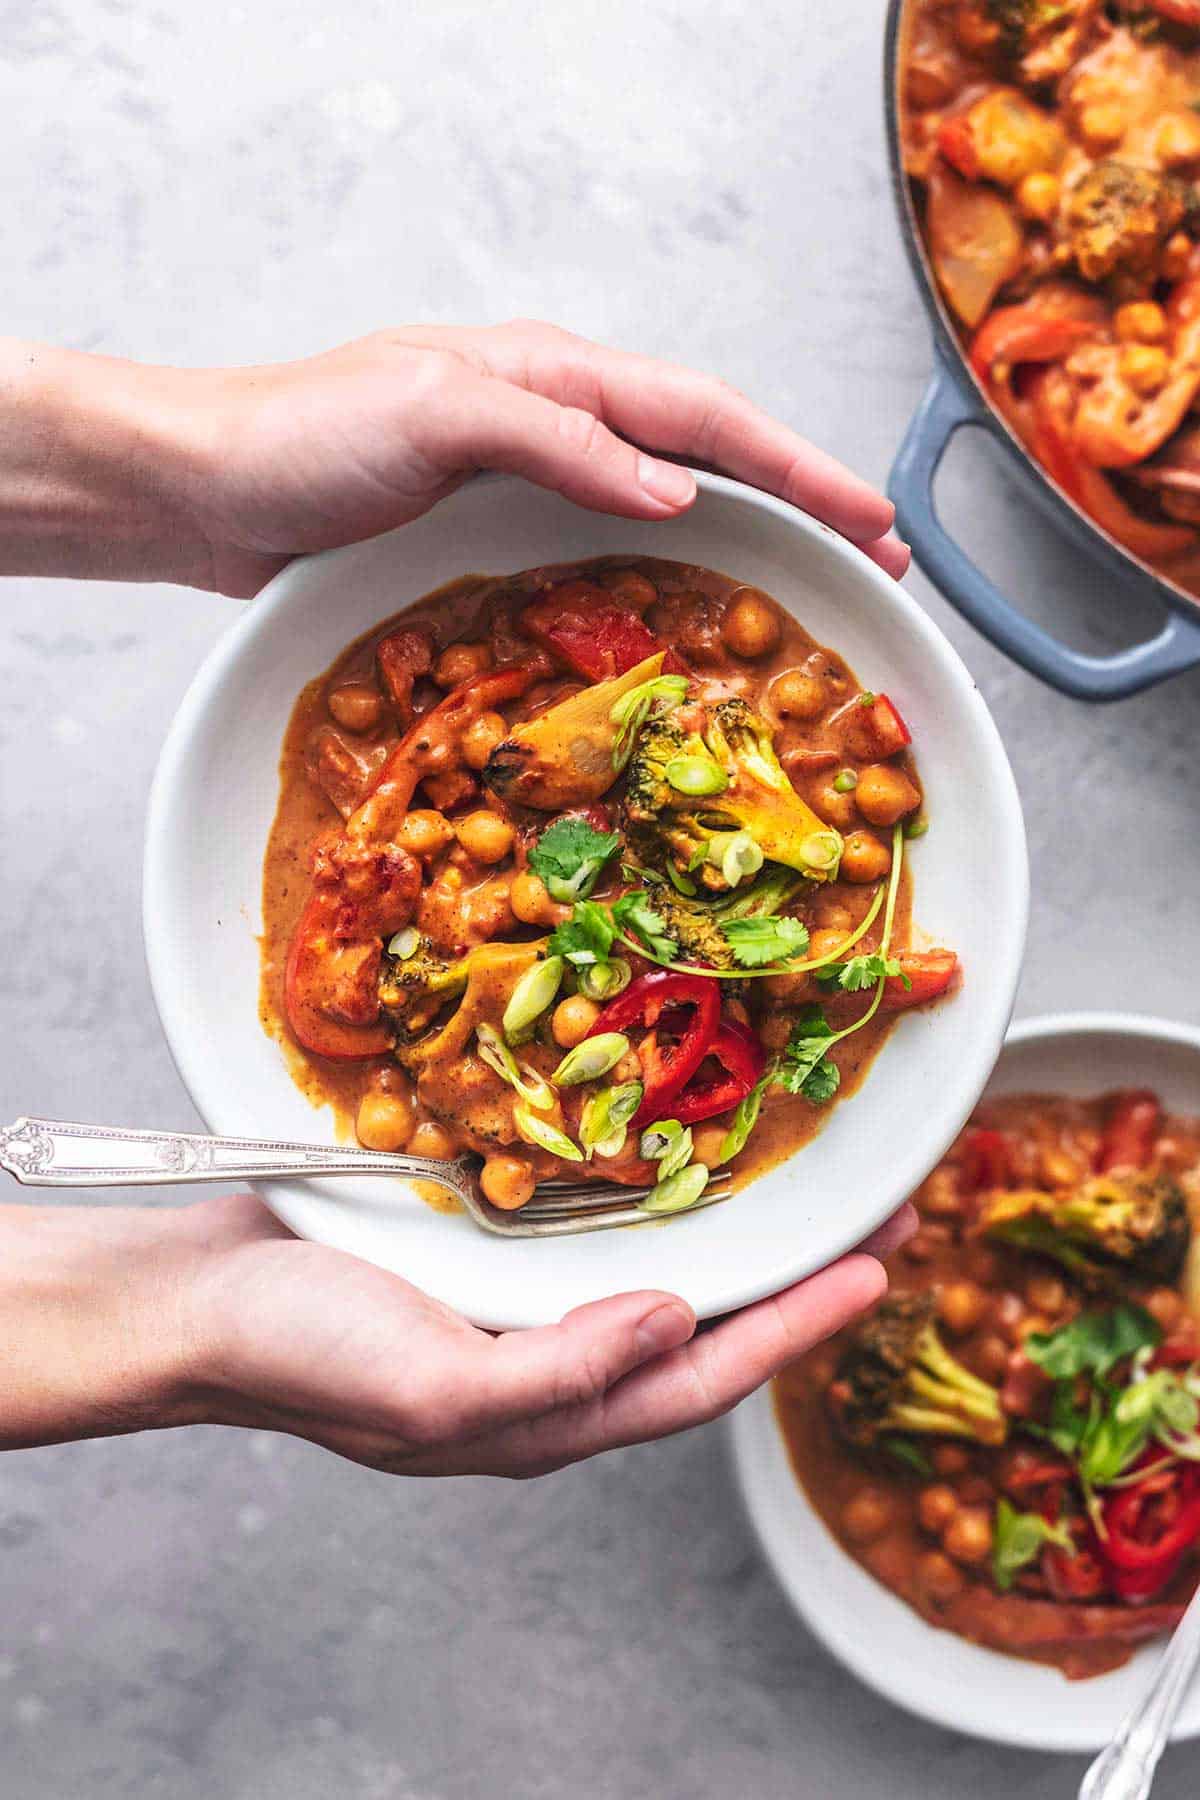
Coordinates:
(597,870)
(1054,150)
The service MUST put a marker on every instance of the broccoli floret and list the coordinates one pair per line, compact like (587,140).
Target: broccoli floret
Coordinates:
(695,924)
(1118,215)
(414,988)
(898,1376)
(1106,1230)
(718,802)
(1041,37)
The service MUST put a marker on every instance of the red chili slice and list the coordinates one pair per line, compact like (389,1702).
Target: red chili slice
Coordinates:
(887,729)
(742,1059)
(1149,1529)
(667,1067)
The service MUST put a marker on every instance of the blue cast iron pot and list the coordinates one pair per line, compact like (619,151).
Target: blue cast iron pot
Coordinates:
(954,398)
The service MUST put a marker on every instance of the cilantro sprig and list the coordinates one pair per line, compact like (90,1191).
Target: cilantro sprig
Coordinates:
(569,856)
(768,938)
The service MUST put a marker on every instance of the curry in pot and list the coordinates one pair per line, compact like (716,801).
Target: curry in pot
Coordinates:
(598,870)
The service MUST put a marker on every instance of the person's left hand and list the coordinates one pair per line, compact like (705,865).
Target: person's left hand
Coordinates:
(302,456)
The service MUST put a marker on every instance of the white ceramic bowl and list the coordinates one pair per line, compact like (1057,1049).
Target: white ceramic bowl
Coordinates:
(214,796)
(876,1635)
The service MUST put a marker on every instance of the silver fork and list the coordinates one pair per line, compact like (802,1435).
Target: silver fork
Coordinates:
(60,1153)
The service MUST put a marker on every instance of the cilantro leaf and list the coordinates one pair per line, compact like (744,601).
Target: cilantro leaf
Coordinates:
(860,972)
(586,937)
(633,916)
(773,937)
(569,856)
(1093,1343)
(1018,1540)
(804,1068)
(905,1451)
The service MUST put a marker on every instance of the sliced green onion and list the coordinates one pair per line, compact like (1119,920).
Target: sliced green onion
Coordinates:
(669,1144)
(591,1059)
(681,883)
(696,775)
(677,1192)
(845,781)
(499,1058)
(405,943)
(530,998)
(916,828)
(822,852)
(631,711)
(745,1117)
(604,981)
(604,1123)
(736,855)
(544,1135)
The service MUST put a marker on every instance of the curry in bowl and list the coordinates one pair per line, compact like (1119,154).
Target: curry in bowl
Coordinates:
(1011,1442)
(597,870)
(1054,151)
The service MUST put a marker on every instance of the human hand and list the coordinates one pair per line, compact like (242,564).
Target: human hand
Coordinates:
(306,455)
(215,1313)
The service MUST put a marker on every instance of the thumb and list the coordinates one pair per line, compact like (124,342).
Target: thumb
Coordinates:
(482,422)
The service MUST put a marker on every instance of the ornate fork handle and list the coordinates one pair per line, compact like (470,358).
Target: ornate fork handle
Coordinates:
(1125,1770)
(60,1153)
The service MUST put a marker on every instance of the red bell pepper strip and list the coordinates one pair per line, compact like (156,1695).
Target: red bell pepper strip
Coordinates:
(742,1059)
(1026,334)
(985,1161)
(666,1067)
(1149,1529)
(584,626)
(1129,1135)
(931,974)
(884,727)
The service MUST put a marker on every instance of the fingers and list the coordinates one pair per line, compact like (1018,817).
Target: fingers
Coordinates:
(667,407)
(524,1374)
(892,555)
(894,1232)
(688,1386)
(481,422)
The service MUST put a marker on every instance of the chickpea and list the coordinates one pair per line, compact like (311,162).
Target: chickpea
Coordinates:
(573,1019)
(1177,140)
(1176,255)
(385,1121)
(531,902)
(867,1515)
(481,737)
(961,1305)
(507,1181)
(1008,1310)
(1038,196)
(885,794)
(636,590)
(432,1139)
(968,1537)
(940,1198)
(1140,322)
(424,832)
(356,705)
(950,1459)
(991,1357)
(1145,367)
(485,836)
(706,1144)
(1165,1306)
(837,809)
(1046,1293)
(750,628)
(1102,125)
(864,858)
(939,1580)
(936,1506)
(459,662)
(796,695)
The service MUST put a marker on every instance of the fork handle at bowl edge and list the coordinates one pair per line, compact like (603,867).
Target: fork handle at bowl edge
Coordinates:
(1125,1770)
(61,1153)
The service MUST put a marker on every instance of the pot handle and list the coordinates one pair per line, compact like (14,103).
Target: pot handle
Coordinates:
(942,411)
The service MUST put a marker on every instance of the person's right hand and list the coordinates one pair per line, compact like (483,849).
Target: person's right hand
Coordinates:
(128,1319)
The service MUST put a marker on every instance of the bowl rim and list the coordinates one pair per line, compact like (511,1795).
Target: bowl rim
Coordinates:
(725,1288)
(753,1425)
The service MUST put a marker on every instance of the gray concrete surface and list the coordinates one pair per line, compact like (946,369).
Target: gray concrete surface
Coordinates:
(212,1614)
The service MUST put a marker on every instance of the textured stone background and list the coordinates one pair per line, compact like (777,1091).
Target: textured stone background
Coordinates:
(214,1614)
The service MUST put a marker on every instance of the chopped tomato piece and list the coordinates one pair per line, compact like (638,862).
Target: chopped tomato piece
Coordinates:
(885,727)
(584,626)
(930,973)
(1128,1140)
(985,1161)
